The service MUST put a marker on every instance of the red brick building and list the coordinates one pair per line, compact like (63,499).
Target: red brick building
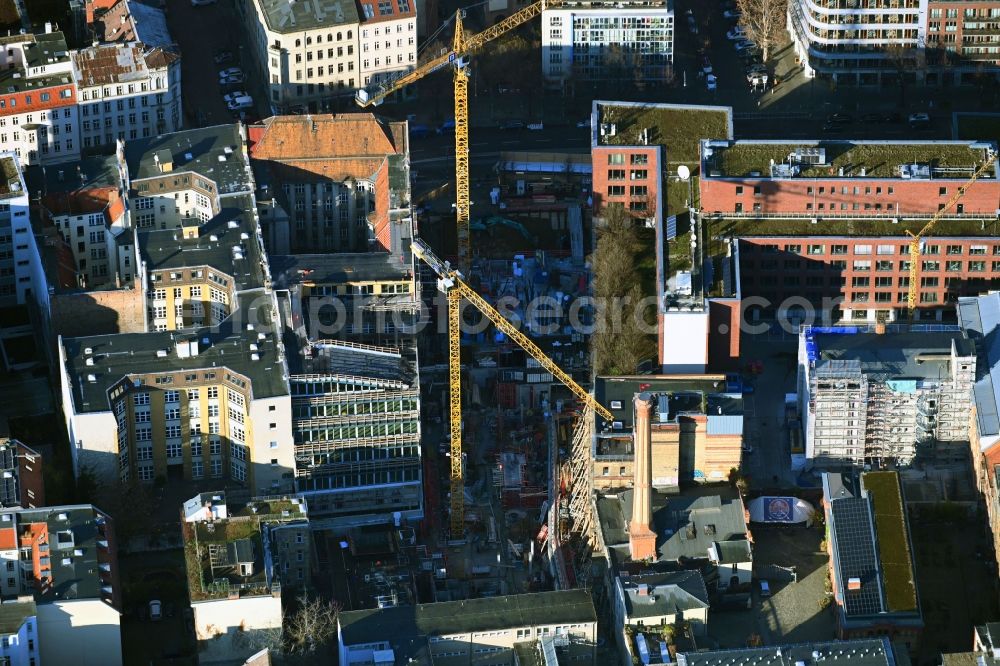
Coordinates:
(825,220)
(630,176)
(335,183)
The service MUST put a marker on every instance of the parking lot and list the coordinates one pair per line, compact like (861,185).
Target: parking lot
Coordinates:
(793,613)
(201,32)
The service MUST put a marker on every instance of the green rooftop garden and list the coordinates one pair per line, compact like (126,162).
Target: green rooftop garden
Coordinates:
(844,227)
(893,543)
(678,128)
(197,538)
(878,160)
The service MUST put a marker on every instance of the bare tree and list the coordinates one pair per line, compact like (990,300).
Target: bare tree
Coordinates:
(762,21)
(904,62)
(307,635)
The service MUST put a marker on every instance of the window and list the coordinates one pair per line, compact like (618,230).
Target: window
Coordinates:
(838,249)
(932,266)
(816,249)
(616,159)
(171,396)
(141,398)
(977,266)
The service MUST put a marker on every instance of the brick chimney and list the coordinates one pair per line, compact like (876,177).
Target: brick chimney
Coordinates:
(642,540)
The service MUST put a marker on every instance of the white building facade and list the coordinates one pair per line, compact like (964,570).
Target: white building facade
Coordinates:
(306,51)
(127,91)
(388,42)
(592,41)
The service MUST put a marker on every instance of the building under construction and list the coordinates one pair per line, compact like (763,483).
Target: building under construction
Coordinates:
(877,397)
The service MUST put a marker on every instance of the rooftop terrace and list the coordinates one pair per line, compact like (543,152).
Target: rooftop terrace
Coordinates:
(11,184)
(857,159)
(678,127)
(284,16)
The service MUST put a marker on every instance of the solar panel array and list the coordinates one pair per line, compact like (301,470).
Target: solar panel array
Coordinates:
(853,529)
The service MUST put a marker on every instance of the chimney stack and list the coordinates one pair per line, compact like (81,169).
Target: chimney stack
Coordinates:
(642,540)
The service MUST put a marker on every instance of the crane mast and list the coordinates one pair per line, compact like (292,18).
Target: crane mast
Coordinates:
(450,282)
(915,239)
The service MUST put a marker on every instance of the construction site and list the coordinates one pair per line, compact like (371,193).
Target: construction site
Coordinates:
(884,400)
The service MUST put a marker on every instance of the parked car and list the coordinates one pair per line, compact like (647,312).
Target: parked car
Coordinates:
(155,610)
(756,71)
(744,45)
(711,82)
(583,123)
(447,127)
(692,25)
(229,97)
(918,120)
(419,131)
(892,118)
(240,103)
(736,34)
(486,362)
(834,128)
(223,57)
(732,14)
(202,3)
(706,65)
(234,79)
(230,71)
(512,125)
(747,447)
(840,118)
(765,588)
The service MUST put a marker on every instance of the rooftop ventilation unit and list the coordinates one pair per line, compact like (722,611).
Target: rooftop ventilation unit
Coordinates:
(809,155)
(92,379)
(609,129)
(233,224)
(213,238)
(914,171)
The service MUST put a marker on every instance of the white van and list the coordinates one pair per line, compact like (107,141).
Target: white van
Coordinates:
(240,103)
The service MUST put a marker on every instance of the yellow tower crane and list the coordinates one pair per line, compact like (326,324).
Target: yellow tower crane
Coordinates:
(911,296)
(458,59)
(451,283)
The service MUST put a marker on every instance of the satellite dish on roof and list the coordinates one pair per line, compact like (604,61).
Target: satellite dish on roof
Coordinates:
(683,172)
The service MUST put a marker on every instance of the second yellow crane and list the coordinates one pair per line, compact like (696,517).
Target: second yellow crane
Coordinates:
(915,239)
(451,283)
(457,57)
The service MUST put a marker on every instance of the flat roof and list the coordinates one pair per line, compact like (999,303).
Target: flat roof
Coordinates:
(284,16)
(870,545)
(75,573)
(858,159)
(402,623)
(215,153)
(336,268)
(47,49)
(979,317)
(11,183)
(165,249)
(90,172)
(121,355)
(857,652)
(338,357)
(13,614)
(679,127)
(902,355)
(618,393)
(14,81)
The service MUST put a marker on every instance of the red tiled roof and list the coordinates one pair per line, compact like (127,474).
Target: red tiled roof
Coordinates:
(81,202)
(55,100)
(354,135)
(8,539)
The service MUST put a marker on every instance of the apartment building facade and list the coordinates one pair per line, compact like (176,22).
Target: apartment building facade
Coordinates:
(127,91)
(332,183)
(87,208)
(387,46)
(22,484)
(849,204)
(979,318)
(20,263)
(860,408)
(306,51)
(598,40)
(213,404)
(39,119)
(932,41)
